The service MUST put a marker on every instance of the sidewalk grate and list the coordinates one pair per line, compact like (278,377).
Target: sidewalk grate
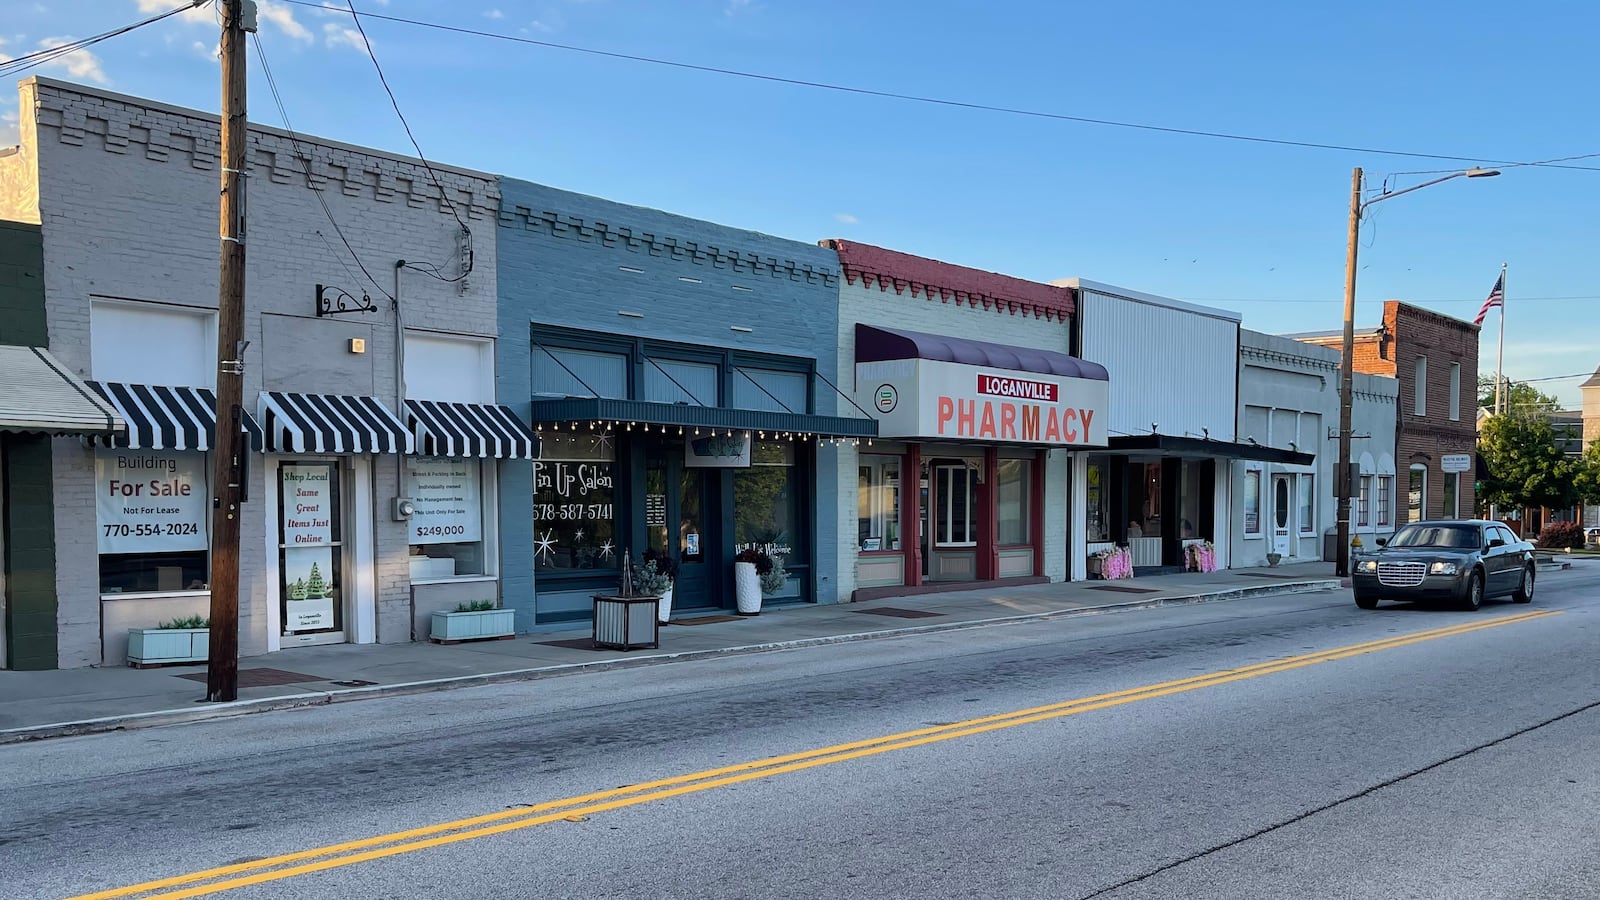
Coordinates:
(899,613)
(1124,590)
(251,678)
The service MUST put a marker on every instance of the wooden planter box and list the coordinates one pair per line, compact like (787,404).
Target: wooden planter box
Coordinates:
(167,646)
(624,623)
(482,625)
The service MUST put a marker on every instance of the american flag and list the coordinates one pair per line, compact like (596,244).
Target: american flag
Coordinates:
(1497,297)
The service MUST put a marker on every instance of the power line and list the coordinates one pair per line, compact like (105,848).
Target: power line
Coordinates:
(305,164)
(28,61)
(936,101)
(443,194)
(1376,300)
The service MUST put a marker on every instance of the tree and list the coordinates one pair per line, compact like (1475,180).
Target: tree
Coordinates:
(1526,468)
(1586,475)
(1521,399)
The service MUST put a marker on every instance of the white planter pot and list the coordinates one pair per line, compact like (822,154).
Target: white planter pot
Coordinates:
(747,588)
(664,606)
(487,624)
(165,646)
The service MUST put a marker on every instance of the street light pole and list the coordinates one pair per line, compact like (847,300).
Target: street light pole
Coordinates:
(1343,480)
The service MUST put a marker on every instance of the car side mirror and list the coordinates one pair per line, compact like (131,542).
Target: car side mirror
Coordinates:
(1383,542)
(1496,542)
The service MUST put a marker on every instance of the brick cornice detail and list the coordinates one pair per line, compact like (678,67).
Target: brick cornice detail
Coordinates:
(623,237)
(164,136)
(946,282)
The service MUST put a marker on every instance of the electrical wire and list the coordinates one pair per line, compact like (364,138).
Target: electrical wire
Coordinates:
(305,164)
(1520,299)
(28,61)
(936,101)
(443,194)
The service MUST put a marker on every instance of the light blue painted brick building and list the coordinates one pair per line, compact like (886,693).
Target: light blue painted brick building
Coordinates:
(631,338)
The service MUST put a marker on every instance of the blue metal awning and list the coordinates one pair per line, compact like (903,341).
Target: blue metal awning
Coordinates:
(640,412)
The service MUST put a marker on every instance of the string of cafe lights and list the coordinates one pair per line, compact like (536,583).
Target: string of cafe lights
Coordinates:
(1564,162)
(601,427)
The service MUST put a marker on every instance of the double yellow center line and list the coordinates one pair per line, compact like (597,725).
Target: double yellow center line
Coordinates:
(333,856)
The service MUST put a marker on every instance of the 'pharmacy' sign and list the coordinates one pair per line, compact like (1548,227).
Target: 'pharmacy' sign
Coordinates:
(932,399)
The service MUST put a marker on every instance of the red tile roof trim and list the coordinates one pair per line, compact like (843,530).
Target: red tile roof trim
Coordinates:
(947,281)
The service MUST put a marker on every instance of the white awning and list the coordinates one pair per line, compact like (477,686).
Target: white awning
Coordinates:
(332,423)
(38,393)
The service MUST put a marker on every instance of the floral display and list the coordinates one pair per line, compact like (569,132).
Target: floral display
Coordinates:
(1200,556)
(1114,563)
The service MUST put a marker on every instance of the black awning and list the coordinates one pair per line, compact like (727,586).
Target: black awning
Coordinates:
(1174,445)
(331,423)
(579,410)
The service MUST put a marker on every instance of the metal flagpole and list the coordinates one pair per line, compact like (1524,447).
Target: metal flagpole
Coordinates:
(1499,365)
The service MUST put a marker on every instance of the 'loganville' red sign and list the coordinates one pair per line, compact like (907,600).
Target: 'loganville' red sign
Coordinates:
(1020,388)
(1005,419)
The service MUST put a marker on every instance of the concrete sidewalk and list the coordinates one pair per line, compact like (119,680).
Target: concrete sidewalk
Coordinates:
(36,705)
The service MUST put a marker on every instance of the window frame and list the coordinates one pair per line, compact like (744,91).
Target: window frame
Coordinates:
(1306,504)
(1026,467)
(944,506)
(1364,501)
(1419,387)
(878,465)
(1257,475)
(1455,392)
(1421,508)
(489,527)
(205,524)
(1384,485)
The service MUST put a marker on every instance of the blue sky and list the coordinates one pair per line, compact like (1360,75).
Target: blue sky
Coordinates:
(1252,227)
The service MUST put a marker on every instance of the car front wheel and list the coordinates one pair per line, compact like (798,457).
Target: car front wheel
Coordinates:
(1524,593)
(1474,595)
(1366,602)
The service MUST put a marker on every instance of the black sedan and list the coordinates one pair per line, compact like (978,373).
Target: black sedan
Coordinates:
(1460,561)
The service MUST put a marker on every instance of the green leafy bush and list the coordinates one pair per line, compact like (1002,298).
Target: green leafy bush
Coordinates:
(1561,536)
(184,623)
(475,606)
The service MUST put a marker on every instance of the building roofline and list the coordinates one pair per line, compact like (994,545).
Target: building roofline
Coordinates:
(215,117)
(1099,287)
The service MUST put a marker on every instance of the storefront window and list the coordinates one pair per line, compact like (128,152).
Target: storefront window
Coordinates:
(1364,500)
(310,547)
(574,512)
(955,503)
(1013,497)
(1146,518)
(1252,502)
(878,503)
(1416,494)
(766,498)
(1384,487)
(1308,493)
(152,514)
(1194,495)
(447,526)
(1451,484)
(1098,525)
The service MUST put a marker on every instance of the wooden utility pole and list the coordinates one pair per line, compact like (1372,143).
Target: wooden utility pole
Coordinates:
(1342,479)
(222,672)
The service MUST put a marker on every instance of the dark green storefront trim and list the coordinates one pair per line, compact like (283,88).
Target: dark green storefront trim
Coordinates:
(22,317)
(27,531)
(583,410)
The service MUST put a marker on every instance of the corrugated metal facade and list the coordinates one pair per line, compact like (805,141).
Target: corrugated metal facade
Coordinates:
(1176,368)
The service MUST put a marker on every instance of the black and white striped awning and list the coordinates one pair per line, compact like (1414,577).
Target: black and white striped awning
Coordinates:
(331,423)
(160,417)
(469,429)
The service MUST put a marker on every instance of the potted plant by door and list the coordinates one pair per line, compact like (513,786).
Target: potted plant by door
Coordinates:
(749,567)
(656,575)
(185,640)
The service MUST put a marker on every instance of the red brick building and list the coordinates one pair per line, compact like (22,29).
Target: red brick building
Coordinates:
(1435,360)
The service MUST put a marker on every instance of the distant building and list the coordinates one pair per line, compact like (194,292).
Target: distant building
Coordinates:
(1434,358)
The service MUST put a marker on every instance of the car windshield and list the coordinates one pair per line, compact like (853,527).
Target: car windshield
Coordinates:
(1458,537)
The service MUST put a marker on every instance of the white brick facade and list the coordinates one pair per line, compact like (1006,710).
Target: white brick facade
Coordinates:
(126,195)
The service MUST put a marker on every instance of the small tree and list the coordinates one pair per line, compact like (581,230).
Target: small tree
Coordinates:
(1526,468)
(1586,475)
(1522,400)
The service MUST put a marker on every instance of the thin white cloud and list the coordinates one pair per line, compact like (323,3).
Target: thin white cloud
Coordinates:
(735,7)
(210,52)
(846,218)
(10,133)
(494,14)
(204,14)
(281,16)
(78,63)
(335,35)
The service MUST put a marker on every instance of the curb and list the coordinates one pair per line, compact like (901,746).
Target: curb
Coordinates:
(326,698)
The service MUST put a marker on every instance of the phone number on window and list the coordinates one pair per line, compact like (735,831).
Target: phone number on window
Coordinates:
(174,528)
(570,512)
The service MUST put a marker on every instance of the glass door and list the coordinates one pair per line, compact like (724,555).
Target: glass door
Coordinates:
(310,552)
(677,523)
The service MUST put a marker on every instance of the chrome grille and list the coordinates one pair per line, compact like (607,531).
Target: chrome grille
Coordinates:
(1401,574)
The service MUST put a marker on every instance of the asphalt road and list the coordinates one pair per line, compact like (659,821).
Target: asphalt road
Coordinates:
(1449,754)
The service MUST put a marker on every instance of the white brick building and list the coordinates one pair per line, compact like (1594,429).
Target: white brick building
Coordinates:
(125,191)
